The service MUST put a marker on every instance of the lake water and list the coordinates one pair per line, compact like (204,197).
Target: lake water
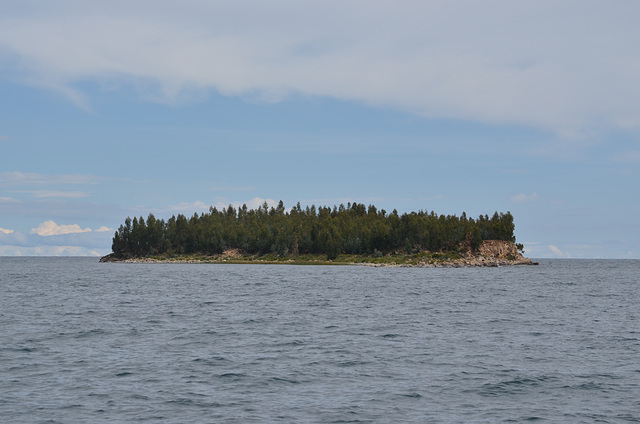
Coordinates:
(89,342)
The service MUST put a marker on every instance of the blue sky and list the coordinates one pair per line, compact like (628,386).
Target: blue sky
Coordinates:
(116,109)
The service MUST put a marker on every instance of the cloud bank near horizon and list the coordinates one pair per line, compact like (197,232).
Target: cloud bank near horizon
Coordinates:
(50,228)
(51,239)
(566,67)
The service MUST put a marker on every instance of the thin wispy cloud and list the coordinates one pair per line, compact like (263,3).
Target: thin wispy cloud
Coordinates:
(338,201)
(16,178)
(43,194)
(9,250)
(556,251)
(253,203)
(522,197)
(500,62)
(5,199)
(629,158)
(222,188)
(189,208)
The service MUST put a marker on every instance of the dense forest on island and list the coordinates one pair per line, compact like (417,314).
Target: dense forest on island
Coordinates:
(351,229)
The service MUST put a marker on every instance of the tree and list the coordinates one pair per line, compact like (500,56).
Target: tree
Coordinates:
(354,229)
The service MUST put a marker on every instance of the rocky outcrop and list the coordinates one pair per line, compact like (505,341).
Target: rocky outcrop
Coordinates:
(499,249)
(491,253)
(110,258)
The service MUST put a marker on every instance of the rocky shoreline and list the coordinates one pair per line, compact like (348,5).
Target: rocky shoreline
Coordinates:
(476,262)
(492,253)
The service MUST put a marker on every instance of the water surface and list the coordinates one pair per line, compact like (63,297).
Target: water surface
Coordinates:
(88,342)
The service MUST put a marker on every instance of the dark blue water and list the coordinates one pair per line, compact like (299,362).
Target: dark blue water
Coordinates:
(88,342)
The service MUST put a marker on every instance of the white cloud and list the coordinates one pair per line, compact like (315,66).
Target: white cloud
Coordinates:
(85,243)
(103,229)
(50,228)
(5,231)
(521,198)
(51,239)
(556,251)
(257,202)
(528,63)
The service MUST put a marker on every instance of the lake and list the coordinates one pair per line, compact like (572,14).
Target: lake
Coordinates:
(89,342)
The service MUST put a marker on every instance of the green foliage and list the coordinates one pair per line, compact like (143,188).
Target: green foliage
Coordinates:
(354,229)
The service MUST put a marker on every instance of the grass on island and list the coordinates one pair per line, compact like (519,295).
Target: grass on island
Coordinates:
(318,259)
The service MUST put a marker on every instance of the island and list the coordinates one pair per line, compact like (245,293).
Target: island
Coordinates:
(352,234)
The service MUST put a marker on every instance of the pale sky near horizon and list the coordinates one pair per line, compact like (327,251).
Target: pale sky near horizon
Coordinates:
(116,109)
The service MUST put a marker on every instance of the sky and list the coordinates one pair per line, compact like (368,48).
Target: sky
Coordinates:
(125,108)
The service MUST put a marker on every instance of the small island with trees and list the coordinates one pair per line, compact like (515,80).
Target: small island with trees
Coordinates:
(351,234)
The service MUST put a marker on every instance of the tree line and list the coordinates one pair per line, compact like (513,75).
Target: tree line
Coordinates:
(351,229)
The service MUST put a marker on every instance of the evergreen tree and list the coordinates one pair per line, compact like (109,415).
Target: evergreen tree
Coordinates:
(354,229)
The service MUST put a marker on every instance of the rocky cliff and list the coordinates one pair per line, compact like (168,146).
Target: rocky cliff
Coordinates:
(491,253)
